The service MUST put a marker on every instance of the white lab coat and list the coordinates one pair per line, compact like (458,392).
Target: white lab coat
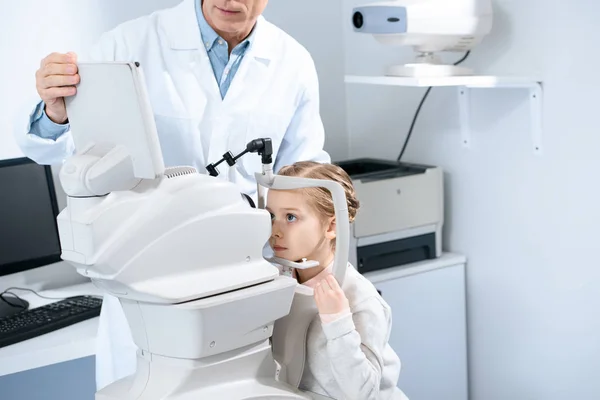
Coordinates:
(274,94)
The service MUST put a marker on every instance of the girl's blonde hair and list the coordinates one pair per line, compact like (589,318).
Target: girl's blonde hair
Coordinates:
(320,198)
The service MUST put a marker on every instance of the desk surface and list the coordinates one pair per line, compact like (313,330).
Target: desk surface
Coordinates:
(78,341)
(75,341)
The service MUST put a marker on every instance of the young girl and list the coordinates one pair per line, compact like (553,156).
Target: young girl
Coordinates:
(348,355)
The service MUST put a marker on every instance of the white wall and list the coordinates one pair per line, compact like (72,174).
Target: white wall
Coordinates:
(317,25)
(527,223)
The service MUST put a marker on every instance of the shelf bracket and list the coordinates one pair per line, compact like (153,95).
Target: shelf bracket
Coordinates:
(535,101)
(464,102)
(535,111)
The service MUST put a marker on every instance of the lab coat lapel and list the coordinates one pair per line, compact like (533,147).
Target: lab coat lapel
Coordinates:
(245,91)
(237,108)
(251,79)
(249,83)
(181,27)
(183,33)
(204,73)
(209,92)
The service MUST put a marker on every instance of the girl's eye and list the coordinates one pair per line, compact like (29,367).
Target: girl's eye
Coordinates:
(272,216)
(291,217)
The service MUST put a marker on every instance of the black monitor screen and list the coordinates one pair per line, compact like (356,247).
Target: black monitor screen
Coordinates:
(28,211)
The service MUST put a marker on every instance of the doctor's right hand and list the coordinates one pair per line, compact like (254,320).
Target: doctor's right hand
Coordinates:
(55,79)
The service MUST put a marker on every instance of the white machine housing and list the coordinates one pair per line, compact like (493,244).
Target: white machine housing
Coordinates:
(183,252)
(429,27)
(401,215)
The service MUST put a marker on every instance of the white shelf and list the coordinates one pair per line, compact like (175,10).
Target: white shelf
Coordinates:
(464,83)
(483,81)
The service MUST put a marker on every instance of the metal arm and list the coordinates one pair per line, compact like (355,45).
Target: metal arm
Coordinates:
(263,147)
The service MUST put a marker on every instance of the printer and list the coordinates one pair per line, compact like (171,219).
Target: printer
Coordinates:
(401,213)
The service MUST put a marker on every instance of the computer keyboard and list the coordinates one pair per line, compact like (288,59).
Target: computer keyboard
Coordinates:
(48,318)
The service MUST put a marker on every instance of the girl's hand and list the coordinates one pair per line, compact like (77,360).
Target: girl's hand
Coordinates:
(330,297)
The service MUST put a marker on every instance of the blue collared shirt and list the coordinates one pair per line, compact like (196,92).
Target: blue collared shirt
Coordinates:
(224,66)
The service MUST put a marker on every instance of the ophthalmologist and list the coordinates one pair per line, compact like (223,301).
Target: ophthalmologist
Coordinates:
(218,75)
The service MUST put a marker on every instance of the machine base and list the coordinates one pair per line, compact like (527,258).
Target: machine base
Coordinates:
(427,65)
(242,374)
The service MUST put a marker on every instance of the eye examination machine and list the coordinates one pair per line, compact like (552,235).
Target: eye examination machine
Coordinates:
(183,252)
(429,26)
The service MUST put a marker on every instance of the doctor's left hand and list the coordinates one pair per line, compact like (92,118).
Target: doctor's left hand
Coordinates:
(330,297)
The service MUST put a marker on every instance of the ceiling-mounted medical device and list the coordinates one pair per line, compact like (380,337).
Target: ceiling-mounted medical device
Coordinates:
(429,26)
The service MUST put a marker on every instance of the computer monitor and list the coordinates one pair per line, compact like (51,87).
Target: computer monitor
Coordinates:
(28,211)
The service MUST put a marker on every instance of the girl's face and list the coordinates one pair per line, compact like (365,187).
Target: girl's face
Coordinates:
(297,230)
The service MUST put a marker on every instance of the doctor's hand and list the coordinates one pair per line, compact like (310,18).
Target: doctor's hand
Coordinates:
(330,297)
(54,80)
